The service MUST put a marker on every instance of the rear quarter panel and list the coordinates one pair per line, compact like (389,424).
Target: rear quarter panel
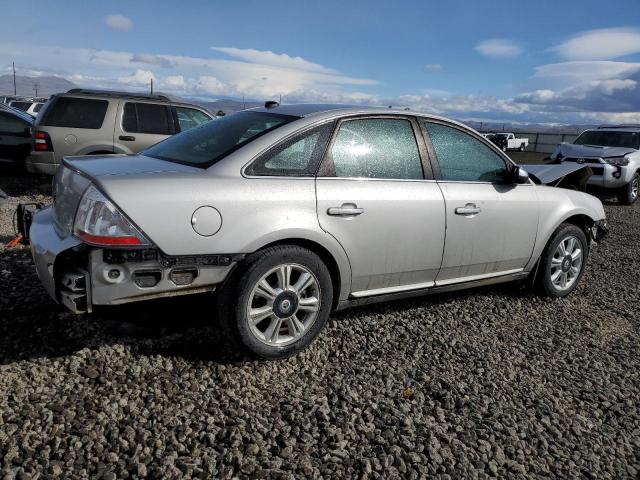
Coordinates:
(255,212)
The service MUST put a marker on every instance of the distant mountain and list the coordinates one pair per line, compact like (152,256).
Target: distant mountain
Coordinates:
(47,85)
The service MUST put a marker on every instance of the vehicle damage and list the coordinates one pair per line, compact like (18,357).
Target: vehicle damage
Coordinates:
(573,176)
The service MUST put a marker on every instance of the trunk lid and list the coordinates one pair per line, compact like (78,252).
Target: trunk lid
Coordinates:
(110,165)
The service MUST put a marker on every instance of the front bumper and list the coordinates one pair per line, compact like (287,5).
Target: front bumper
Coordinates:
(80,276)
(599,231)
(609,176)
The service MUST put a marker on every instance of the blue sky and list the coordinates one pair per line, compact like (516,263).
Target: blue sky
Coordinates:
(543,61)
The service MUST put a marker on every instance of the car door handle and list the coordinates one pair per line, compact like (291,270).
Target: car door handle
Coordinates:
(345,210)
(127,138)
(468,209)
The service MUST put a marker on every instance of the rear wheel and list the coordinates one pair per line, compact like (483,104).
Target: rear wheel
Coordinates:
(522,147)
(629,193)
(562,262)
(279,302)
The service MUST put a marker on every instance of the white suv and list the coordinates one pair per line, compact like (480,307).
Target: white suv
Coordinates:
(613,153)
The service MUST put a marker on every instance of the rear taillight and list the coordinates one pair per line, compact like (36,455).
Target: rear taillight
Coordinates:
(42,142)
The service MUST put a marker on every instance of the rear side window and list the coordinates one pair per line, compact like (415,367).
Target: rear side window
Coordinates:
(76,113)
(296,157)
(376,148)
(146,118)
(38,107)
(190,117)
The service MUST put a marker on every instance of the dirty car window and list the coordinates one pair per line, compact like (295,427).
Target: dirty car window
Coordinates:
(204,145)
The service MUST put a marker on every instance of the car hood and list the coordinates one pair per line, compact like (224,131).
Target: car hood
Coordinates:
(587,151)
(109,165)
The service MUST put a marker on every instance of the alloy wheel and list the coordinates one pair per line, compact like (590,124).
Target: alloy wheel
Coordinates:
(283,304)
(566,263)
(635,184)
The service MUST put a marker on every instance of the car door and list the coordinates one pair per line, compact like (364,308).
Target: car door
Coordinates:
(142,124)
(491,222)
(15,139)
(376,196)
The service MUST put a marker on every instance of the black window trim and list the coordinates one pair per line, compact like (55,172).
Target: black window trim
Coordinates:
(510,165)
(327,167)
(170,118)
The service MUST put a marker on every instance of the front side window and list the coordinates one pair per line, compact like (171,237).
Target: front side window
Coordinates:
(204,145)
(296,157)
(146,118)
(76,113)
(189,118)
(376,148)
(464,158)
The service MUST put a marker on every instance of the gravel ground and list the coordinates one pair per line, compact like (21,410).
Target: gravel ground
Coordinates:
(492,382)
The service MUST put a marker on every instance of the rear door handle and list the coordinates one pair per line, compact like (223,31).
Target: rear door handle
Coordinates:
(345,210)
(468,209)
(127,138)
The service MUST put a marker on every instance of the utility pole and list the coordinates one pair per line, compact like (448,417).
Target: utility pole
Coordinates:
(35,86)
(244,107)
(151,85)
(15,91)
(280,102)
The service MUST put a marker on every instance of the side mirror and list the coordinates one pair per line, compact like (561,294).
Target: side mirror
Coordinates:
(520,175)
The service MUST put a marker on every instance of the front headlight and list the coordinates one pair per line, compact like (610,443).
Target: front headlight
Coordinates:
(99,222)
(617,161)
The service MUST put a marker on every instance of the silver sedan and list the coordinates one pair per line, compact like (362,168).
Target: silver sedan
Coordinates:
(291,212)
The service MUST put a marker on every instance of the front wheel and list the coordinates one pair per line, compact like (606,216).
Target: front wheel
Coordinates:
(562,262)
(279,302)
(629,193)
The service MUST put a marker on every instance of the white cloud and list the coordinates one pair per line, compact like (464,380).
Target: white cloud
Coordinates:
(174,82)
(433,67)
(118,22)
(600,44)
(267,57)
(139,78)
(499,48)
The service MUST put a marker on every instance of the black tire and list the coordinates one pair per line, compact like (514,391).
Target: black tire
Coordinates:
(628,194)
(237,293)
(522,147)
(504,149)
(543,280)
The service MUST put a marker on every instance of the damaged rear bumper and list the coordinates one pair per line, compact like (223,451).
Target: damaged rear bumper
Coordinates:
(79,276)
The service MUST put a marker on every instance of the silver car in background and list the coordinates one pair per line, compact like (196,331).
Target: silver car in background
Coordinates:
(290,212)
(94,122)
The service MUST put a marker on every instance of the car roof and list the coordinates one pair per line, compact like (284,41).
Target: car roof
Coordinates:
(16,112)
(156,98)
(327,110)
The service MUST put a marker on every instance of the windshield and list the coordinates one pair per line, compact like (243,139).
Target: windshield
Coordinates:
(608,138)
(204,145)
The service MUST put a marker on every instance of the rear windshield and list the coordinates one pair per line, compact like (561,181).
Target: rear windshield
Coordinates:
(204,145)
(75,113)
(24,106)
(607,138)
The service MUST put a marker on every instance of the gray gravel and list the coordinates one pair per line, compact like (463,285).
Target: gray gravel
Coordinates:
(494,382)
